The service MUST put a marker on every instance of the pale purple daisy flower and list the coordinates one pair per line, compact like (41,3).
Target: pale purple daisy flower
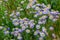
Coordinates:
(15,22)
(6,32)
(19,30)
(17,13)
(51,28)
(44,29)
(31,25)
(53,35)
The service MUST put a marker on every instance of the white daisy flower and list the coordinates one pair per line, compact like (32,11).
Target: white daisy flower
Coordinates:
(35,15)
(22,2)
(37,26)
(5,0)
(1,27)
(51,17)
(40,38)
(27,31)
(35,33)
(19,37)
(37,8)
(42,34)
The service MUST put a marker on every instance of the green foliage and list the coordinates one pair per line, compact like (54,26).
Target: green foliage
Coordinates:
(55,4)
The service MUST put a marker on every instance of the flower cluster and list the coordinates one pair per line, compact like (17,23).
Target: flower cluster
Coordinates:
(35,26)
